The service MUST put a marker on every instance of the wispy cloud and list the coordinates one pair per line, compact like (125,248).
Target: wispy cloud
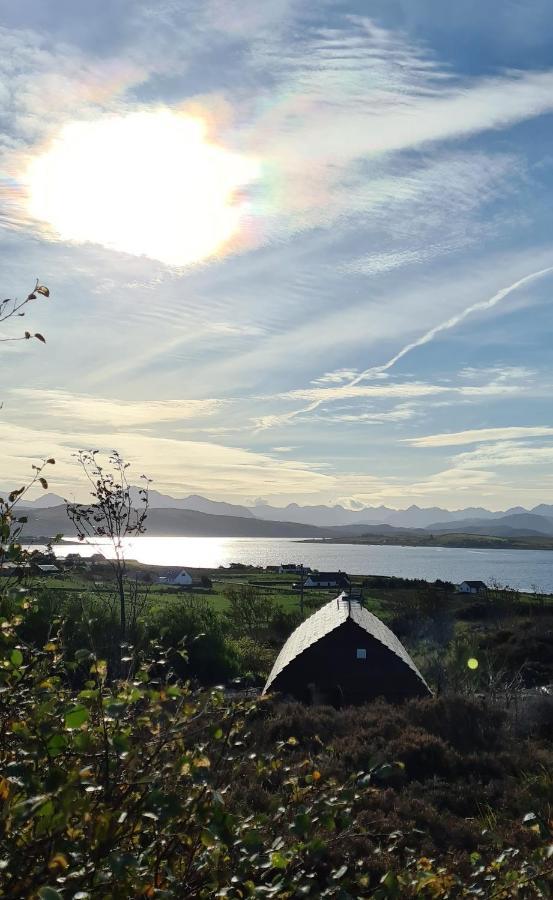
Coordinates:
(507,453)
(181,466)
(480,435)
(84,408)
(337,377)
(498,373)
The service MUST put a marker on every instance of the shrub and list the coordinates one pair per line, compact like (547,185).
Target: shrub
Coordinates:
(146,788)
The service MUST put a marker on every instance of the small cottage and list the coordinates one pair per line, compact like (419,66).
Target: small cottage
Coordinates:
(45,569)
(337,580)
(343,654)
(472,587)
(176,578)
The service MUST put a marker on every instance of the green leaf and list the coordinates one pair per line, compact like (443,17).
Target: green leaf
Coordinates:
(207,838)
(16,658)
(46,810)
(302,823)
(82,741)
(56,744)
(278,861)
(390,882)
(76,717)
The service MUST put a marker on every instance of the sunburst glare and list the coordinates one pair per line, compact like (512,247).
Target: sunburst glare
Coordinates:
(148,183)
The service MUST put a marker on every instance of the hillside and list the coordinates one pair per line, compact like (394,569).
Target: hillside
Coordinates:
(168,522)
(176,523)
(519,524)
(374,518)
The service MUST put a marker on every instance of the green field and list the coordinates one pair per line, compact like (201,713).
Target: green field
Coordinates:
(278,588)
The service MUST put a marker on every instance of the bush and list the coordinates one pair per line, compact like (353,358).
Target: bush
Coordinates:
(145,788)
(190,624)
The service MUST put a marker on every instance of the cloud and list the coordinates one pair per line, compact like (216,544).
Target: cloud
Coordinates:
(352,390)
(337,377)
(178,466)
(503,384)
(117,413)
(402,412)
(232,329)
(505,454)
(318,395)
(372,93)
(479,435)
(498,373)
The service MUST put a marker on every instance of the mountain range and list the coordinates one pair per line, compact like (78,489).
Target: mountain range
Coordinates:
(324,517)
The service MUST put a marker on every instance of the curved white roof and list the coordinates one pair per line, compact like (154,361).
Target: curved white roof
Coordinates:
(327,619)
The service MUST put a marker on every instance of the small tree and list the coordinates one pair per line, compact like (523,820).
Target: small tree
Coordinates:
(113,517)
(250,612)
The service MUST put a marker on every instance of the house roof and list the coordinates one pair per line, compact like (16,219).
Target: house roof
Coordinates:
(172,573)
(328,576)
(44,567)
(479,584)
(327,619)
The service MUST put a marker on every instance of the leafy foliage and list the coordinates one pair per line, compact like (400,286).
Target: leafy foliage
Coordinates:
(145,787)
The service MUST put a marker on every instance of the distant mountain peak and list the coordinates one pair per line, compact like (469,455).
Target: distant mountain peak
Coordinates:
(45,501)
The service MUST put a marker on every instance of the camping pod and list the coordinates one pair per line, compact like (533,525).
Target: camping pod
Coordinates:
(343,654)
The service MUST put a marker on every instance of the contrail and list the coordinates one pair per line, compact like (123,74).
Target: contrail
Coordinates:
(450,323)
(424,339)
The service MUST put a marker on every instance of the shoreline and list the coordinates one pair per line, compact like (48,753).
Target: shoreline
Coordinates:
(487,543)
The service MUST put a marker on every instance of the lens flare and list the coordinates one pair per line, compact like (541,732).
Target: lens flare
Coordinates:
(472,663)
(146,183)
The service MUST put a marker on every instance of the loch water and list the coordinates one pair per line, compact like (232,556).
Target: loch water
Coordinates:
(521,569)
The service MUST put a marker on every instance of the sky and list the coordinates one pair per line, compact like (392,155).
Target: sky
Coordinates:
(296,252)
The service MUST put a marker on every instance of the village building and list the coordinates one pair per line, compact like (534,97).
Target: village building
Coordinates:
(337,580)
(44,569)
(472,587)
(176,578)
(343,654)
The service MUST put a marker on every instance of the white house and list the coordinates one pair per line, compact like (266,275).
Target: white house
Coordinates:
(176,578)
(327,580)
(472,587)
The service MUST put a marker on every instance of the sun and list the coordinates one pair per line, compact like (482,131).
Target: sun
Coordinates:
(147,183)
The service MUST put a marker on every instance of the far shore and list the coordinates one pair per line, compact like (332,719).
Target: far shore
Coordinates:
(460,541)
